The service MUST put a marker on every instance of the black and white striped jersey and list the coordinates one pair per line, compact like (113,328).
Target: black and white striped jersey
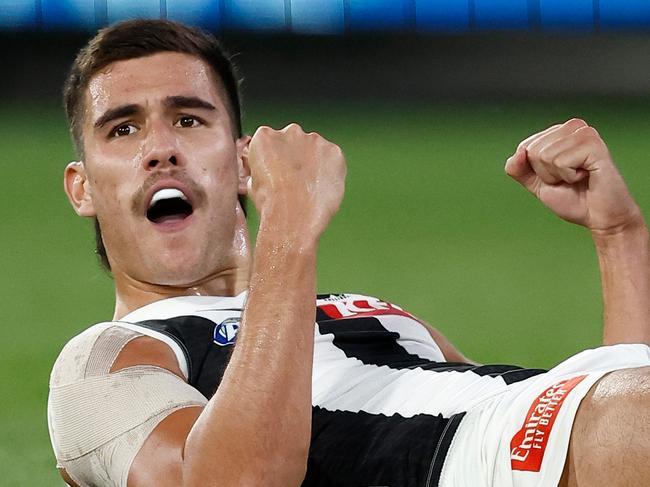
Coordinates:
(386,404)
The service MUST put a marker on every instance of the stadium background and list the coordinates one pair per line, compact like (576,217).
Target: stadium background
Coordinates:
(427,100)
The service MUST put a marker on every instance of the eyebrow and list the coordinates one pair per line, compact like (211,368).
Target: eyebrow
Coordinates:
(115,113)
(178,101)
(187,102)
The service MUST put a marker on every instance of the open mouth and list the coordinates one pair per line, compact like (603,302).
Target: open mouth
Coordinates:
(169,205)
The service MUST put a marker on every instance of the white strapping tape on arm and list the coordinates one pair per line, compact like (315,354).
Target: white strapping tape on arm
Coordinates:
(99,420)
(93,411)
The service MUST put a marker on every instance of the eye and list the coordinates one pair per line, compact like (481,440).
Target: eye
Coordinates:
(124,129)
(187,121)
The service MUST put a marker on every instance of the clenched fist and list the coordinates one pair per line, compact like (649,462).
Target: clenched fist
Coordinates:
(569,168)
(297,179)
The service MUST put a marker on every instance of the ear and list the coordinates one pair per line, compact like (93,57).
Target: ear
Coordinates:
(242,163)
(77,187)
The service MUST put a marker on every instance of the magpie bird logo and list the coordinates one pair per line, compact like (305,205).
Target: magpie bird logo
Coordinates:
(225,332)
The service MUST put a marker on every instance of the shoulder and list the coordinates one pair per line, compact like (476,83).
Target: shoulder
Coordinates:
(74,360)
(95,351)
(99,375)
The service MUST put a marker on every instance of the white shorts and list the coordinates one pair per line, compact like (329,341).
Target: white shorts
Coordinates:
(521,437)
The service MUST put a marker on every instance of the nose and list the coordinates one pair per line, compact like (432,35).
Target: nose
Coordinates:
(161,149)
(156,162)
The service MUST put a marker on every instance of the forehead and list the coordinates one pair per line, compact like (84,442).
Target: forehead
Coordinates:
(150,79)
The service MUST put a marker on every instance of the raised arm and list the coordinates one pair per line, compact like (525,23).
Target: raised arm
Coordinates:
(297,186)
(569,168)
(256,429)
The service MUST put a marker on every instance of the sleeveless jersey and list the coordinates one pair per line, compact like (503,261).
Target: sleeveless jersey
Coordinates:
(386,404)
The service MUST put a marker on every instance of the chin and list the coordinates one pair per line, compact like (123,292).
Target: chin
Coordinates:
(178,275)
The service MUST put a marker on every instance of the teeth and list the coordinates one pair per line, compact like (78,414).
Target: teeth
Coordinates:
(167,194)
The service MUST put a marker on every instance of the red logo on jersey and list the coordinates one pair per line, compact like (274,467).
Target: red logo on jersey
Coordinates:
(354,308)
(529,443)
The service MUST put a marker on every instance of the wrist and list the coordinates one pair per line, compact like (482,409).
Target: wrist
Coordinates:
(629,234)
(286,235)
(624,219)
(291,224)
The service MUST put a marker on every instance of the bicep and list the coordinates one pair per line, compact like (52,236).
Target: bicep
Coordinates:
(160,459)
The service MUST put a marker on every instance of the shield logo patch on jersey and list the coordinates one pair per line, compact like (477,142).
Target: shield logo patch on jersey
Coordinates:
(225,332)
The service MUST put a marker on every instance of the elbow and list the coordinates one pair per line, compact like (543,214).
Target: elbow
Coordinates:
(299,467)
(288,469)
(285,463)
(280,469)
(282,472)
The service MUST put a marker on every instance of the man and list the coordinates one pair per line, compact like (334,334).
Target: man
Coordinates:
(370,396)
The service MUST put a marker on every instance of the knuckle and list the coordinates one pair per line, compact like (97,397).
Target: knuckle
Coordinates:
(317,138)
(524,144)
(334,150)
(563,160)
(576,122)
(293,127)
(589,132)
(532,152)
(263,130)
(546,156)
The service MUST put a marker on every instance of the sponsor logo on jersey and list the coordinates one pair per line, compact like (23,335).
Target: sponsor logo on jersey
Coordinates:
(528,445)
(332,297)
(359,306)
(225,332)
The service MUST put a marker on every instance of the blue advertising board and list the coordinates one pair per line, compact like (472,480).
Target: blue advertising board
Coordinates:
(333,17)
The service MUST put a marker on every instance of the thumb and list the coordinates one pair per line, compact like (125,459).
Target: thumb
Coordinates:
(519,169)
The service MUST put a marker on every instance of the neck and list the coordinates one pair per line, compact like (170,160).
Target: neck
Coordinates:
(131,294)
(230,280)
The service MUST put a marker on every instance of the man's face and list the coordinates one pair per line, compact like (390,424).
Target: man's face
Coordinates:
(162,168)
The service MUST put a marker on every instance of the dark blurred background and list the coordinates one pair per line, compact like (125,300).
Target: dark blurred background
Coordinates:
(426,98)
(351,49)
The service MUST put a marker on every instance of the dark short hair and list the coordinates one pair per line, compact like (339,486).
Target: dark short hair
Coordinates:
(138,38)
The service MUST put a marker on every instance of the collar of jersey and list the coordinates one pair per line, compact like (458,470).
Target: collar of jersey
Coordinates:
(185,305)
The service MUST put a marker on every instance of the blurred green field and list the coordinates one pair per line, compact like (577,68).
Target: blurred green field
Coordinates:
(429,222)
